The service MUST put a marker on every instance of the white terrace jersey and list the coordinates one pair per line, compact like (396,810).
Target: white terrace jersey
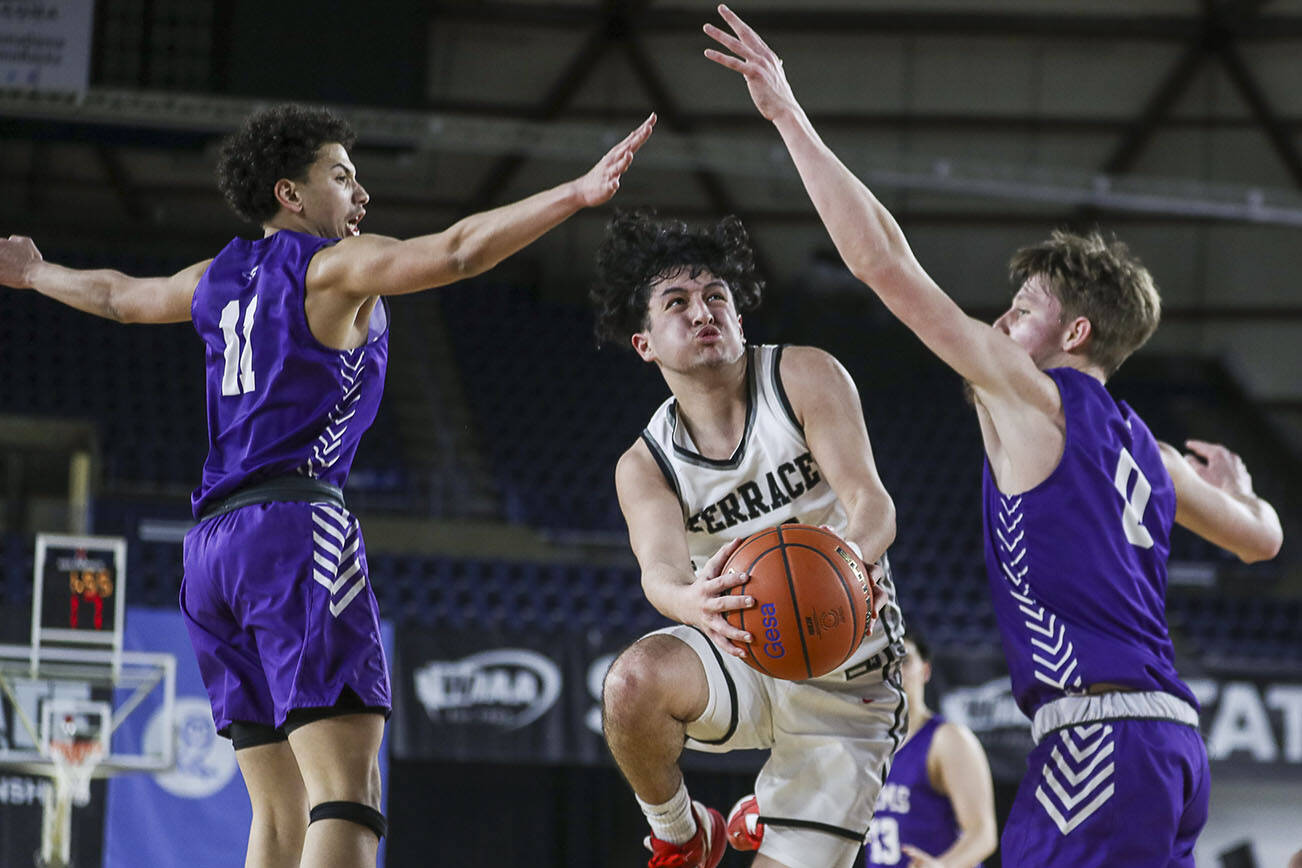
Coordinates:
(771,478)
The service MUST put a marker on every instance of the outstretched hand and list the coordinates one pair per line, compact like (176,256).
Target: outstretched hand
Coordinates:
(602,180)
(760,66)
(712,600)
(17,255)
(1219,467)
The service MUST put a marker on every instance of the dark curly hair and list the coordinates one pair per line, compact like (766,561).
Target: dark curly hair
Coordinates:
(639,249)
(276,142)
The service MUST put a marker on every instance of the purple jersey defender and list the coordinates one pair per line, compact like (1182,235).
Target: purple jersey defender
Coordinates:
(275,594)
(1077,565)
(1077,572)
(909,810)
(279,402)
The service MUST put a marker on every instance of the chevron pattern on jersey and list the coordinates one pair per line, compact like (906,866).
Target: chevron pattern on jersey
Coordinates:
(1054,655)
(337,567)
(1076,780)
(325,452)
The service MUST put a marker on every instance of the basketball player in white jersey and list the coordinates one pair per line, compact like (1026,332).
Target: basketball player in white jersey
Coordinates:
(749,438)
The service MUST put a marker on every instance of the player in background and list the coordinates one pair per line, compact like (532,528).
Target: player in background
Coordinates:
(750,437)
(1079,499)
(275,593)
(937,808)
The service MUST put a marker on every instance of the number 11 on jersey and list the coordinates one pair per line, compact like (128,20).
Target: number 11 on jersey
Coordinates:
(237,375)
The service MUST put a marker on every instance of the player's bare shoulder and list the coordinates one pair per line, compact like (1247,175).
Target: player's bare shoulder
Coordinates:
(954,748)
(1021,387)
(810,375)
(350,266)
(636,472)
(806,365)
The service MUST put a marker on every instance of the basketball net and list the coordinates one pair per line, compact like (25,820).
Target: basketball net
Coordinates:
(74,765)
(75,760)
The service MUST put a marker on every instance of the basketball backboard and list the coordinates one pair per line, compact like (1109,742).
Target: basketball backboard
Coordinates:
(33,700)
(78,610)
(64,697)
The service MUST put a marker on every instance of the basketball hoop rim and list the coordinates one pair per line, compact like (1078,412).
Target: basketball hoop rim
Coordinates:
(76,753)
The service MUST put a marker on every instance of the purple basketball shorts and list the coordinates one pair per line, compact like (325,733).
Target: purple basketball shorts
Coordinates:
(281,613)
(1109,793)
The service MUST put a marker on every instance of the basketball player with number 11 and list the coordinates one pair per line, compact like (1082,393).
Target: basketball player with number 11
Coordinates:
(276,594)
(1079,499)
(750,437)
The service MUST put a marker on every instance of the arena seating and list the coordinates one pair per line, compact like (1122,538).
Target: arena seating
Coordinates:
(551,421)
(1218,627)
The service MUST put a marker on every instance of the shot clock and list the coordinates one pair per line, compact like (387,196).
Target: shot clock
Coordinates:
(78,599)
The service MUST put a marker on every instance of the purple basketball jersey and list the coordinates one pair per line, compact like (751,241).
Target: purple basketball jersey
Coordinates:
(909,810)
(1077,565)
(279,402)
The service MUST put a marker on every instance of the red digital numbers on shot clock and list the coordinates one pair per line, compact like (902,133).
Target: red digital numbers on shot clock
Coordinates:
(91,587)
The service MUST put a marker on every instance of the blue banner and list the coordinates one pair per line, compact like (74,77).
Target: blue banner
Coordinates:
(198,813)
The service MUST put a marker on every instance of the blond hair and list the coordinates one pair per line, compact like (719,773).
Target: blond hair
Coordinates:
(1101,280)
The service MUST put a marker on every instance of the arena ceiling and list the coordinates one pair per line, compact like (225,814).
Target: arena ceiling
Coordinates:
(1008,115)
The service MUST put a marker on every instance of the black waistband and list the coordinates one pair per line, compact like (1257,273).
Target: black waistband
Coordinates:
(283,489)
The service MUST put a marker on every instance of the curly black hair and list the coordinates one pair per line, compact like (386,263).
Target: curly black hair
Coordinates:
(277,142)
(639,248)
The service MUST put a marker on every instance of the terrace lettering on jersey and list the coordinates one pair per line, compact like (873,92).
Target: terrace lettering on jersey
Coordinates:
(754,498)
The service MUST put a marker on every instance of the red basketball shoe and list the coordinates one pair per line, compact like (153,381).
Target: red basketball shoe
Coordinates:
(704,850)
(745,831)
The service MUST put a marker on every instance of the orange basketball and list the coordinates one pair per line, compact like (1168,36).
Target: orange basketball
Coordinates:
(813,600)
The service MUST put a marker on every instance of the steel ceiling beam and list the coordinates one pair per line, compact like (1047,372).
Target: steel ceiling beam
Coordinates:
(667,107)
(1223,25)
(1280,138)
(558,96)
(669,110)
(1140,133)
(852,120)
(609,24)
(1223,21)
(1160,28)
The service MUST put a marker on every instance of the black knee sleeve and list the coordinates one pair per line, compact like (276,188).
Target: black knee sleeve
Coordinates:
(353,812)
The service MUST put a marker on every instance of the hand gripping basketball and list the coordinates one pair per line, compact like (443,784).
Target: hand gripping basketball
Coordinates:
(813,600)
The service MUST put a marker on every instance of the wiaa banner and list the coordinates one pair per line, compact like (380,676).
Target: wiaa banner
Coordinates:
(468,696)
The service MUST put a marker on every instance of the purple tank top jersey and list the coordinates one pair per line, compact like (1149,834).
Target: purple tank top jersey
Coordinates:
(1077,565)
(909,810)
(279,402)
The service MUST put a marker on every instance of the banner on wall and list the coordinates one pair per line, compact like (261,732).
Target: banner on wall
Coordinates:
(45,45)
(1250,723)
(197,814)
(467,696)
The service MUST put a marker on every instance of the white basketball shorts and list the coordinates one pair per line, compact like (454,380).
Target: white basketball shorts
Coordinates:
(831,740)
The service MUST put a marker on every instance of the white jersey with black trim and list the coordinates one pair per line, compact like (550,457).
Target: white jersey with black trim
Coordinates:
(770,478)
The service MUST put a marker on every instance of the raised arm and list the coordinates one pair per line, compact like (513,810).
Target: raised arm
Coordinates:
(103,292)
(826,403)
(868,238)
(1214,499)
(655,531)
(367,265)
